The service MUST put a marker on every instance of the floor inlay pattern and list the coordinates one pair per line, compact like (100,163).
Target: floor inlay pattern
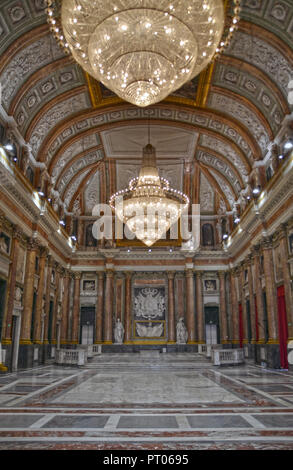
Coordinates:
(172,402)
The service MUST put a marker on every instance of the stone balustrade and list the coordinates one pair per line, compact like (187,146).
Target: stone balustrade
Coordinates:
(71,356)
(227,356)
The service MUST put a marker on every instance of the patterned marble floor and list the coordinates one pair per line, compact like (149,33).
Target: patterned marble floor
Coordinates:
(147,401)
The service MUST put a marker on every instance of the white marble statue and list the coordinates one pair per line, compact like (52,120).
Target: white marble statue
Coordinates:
(181,331)
(118,332)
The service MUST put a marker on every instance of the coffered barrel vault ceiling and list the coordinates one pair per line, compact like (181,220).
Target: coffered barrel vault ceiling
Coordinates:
(90,142)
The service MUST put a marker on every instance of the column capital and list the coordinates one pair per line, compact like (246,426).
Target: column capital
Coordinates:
(100,275)
(171,274)
(32,244)
(189,272)
(222,274)
(17,233)
(4,222)
(77,275)
(110,272)
(267,243)
(128,274)
(44,252)
(255,250)
(199,274)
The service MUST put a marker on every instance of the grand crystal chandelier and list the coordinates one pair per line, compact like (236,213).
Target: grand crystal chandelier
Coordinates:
(143,50)
(149,206)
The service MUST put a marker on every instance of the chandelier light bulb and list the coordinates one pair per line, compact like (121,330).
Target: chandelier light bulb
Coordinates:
(148,48)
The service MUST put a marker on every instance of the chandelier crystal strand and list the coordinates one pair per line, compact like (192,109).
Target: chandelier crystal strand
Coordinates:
(143,50)
(149,206)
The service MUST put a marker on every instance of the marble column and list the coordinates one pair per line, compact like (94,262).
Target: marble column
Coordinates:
(242,300)
(28,293)
(64,339)
(127,312)
(171,309)
(76,308)
(287,280)
(47,299)
(259,295)
(200,309)
(100,309)
(7,320)
(56,304)
(251,299)
(235,308)
(108,321)
(37,335)
(190,316)
(223,309)
(271,291)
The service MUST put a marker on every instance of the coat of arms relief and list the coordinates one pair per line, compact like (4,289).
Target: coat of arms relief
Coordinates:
(149,305)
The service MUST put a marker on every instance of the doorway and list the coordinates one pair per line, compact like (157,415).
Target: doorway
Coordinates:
(212,326)
(87,325)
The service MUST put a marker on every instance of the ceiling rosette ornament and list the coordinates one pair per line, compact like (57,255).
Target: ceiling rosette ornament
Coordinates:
(143,50)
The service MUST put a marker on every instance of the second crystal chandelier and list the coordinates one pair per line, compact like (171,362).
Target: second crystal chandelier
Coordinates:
(143,50)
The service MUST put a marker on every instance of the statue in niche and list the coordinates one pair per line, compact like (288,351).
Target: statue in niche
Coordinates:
(208,235)
(118,332)
(181,332)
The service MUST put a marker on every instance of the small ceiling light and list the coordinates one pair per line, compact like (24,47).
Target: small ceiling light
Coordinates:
(281,157)
(288,145)
(236,220)
(256,190)
(62,223)
(225,236)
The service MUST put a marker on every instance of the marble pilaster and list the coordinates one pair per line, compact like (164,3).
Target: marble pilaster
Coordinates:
(64,338)
(127,313)
(171,309)
(76,308)
(271,291)
(223,309)
(56,304)
(100,309)
(251,300)
(234,305)
(200,309)
(47,299)
(108,320)
(190,316)
(28,293)
(37,335)
(259,296)
(287,280)
(242,300)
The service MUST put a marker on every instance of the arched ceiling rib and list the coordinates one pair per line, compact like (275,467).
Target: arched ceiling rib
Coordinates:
(47,94)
